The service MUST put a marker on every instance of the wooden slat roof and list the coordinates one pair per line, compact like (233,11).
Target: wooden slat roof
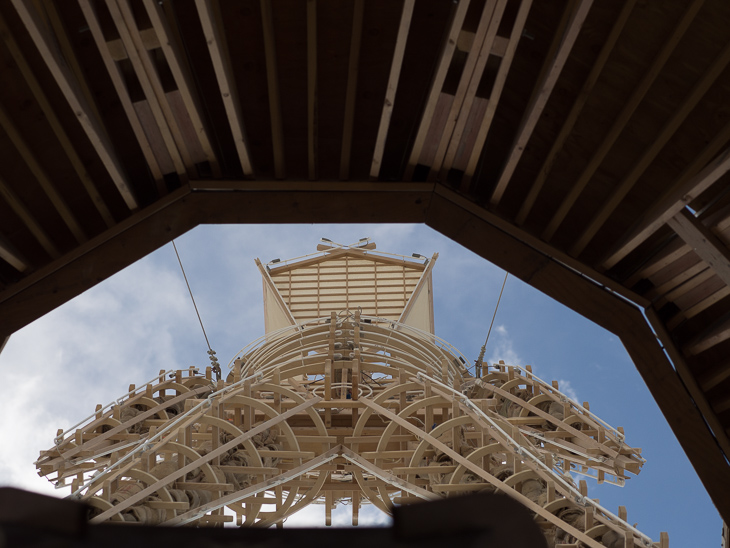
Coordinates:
(581,145)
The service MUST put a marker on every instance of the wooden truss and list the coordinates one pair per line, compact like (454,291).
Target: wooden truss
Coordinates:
(347,409)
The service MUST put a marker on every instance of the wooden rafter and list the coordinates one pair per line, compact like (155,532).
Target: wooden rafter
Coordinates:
(714,335)
(353,71)
(563,45)
(457,19)
(118,81)
(466,92)
(180,71)
(704,242)
(55,123)
(69,87)
(41,176)
(621,120)
(312,91)
(224,74)
(669,129)
(28,219)
(272,79)
(496,93)
(151,85)
(688,187)
(11,256)
(575,112)
(392,88)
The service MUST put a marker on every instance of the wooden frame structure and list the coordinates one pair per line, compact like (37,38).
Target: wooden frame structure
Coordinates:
(579,145)
(346,408)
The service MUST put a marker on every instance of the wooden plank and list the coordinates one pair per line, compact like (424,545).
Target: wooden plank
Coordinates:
(666,133)
(704,242)
(148,78)
(121,89)
(541,95)
(216,41)
(269,283)
(447,51)
(41,176)
(710,337)
(28,219)
(69,88)
(496,92)
(53,120)
(312,91)
(11,256)
(180,72)
(621,120)
(272,80)
(575,112)
(392,88)
(351,93)
(476,61)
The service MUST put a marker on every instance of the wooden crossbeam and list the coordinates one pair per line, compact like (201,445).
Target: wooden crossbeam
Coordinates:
(563,44)
(41,176)
(391,89)
(575,112)
(447,51)
(465,95)
(224,74)
(672,203)
(180,72)
(704,242)
(121,89)
(669,129)
(11,256)
(149,80)
(712,336)
(351,93)
(52,118)
(496,93)
(272,79)
(70,89)
(621,120)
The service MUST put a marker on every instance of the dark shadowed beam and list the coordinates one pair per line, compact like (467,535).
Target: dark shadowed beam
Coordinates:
(485,234)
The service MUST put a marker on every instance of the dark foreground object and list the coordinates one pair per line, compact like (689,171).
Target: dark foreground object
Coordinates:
(28,519)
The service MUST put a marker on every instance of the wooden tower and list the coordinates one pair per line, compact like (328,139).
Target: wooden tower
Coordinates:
(348,397)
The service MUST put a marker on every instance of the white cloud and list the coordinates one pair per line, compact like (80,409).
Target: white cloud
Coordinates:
(502,347)
(567,389)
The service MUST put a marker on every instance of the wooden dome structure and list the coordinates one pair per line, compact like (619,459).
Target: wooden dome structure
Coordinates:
(346,408)
(581,146)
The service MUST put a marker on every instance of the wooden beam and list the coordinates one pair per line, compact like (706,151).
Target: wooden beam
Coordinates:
(151,85)
(704,242)
(121,89)
(669,129)
(74,97)
(17,205)
(312,91)
(272,79)
(465,95)
(41,176)
(584,296)
(458,14)
(390,91)
(575,111)
(348,127)
(622,119)
(269,283)
(714,335)
(496,92)
(11,256)
(541,95)
(224,74)
(674,202)
(54,122)
(180,72)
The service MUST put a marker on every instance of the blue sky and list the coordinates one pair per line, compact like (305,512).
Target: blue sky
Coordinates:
(141,320)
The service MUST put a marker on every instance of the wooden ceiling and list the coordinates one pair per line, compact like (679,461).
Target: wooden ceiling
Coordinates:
(582,146)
